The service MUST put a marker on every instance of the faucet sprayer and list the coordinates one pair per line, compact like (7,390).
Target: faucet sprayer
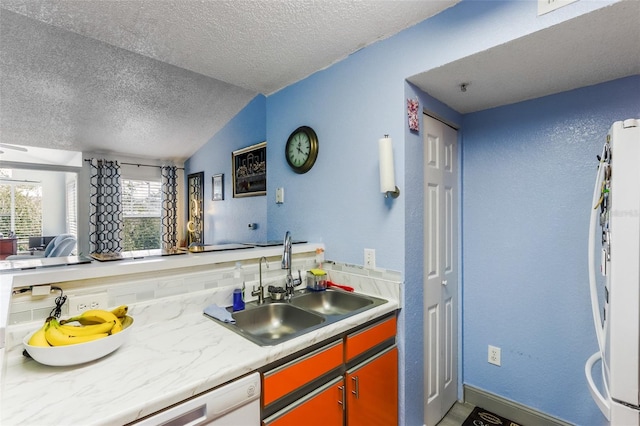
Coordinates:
(286,264)
(260,290)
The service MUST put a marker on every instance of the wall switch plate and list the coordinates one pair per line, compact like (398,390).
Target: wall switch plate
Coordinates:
(280,196)
(79,304)
(370,258)
(494,355)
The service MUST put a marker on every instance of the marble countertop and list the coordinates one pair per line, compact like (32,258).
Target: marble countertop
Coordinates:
(46,272)
(174,352)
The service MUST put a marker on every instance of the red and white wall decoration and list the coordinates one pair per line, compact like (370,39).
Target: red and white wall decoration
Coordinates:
(412,112)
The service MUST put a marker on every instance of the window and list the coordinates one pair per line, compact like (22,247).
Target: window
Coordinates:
(72,206)
(141,209)
(20,208)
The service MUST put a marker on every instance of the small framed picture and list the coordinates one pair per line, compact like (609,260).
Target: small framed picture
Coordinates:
(249,166)
(217,185)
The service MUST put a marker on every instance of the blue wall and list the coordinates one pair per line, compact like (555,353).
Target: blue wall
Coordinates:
(528,176)
(355,102)
(227,220)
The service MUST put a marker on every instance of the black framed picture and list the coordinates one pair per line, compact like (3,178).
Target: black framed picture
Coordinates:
(217,187)
(249,167)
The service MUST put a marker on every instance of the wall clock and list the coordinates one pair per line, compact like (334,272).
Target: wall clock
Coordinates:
(301,150)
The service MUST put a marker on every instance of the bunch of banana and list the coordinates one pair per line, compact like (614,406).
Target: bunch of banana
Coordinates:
(94,324)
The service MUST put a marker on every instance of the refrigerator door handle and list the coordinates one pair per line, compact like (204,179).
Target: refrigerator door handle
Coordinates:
(603,403)
(597,318)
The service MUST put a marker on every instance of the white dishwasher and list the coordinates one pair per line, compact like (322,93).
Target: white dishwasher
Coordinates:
(234,404)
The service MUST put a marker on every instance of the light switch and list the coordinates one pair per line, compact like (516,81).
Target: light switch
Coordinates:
(280,196)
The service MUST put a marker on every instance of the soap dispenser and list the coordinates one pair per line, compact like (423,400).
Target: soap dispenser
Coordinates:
(238,292)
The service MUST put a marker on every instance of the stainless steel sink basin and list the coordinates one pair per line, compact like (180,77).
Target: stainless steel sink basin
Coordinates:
(331,302)
(275,322)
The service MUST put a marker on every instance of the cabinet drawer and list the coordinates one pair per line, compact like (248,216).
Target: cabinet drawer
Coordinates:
(289,377)
(363,340)
(323,407)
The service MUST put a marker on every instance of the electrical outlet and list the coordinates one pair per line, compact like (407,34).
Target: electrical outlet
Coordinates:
(494,355)
(79,304)
(370,258)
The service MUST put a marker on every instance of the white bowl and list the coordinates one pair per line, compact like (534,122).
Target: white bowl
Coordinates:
(79,353)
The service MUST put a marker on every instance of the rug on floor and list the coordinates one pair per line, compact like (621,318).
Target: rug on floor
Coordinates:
(481,417)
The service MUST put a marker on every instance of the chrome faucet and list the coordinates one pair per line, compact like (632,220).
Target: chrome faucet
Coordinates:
(286,264)
(260,290)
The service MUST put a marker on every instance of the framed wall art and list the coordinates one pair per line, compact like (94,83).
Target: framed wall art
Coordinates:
(217,187)
(195,200)
(249,166)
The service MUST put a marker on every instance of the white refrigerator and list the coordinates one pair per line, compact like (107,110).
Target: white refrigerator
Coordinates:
(614,247)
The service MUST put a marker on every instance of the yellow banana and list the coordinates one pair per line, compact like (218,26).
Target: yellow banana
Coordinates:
(120,311)
(93,316)
(117,327)
(38,338)
(57,337)
(86,330)
(126,321)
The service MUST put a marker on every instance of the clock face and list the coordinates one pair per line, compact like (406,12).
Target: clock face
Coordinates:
(299,149)
(302,149)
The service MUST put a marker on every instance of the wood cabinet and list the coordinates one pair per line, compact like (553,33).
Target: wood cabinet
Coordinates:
(8,246)
(306,390)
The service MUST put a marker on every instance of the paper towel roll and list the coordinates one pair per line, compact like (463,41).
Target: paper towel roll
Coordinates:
(387,179)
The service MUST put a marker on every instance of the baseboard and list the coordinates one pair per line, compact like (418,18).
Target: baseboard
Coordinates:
(509,409)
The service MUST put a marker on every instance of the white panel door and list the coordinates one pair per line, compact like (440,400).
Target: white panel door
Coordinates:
(440,276)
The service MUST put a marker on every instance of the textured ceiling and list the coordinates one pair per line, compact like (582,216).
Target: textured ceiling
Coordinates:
(259,45)
(65,91)
(593,48)
(157,79)
(160,78)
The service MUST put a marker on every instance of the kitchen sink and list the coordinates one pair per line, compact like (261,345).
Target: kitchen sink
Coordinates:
(275,322)
(331,302)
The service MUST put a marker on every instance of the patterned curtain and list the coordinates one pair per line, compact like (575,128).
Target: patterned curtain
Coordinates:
(105,207)
(169,207)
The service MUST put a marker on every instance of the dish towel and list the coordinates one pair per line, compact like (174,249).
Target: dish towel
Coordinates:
(219,313)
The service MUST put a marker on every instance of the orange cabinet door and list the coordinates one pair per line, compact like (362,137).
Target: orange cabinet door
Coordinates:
(291,376)
(323,407)
(372,391)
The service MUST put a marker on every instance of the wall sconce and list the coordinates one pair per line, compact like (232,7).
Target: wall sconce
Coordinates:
(387,177)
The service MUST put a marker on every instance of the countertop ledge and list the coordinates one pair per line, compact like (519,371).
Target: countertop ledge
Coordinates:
(174,352)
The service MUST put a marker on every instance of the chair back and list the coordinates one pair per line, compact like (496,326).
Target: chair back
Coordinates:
(57,240)
(63,248)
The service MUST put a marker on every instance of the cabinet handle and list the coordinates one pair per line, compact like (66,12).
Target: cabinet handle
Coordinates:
(356,387)
(341,398)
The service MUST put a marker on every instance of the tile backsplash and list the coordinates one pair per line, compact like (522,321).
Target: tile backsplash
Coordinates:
(146,287)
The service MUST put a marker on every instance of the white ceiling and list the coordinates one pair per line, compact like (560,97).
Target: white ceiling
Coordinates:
(157,79)
(64,85)
(593,48)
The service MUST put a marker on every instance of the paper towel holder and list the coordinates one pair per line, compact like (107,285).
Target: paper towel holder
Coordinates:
(387,177)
